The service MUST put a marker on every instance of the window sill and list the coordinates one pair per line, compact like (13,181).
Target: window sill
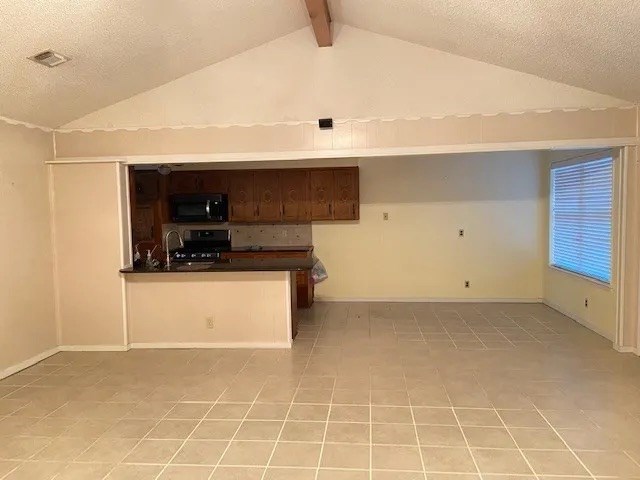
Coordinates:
(598,283)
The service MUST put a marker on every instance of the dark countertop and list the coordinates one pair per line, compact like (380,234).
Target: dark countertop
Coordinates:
(283,248)
(233,265)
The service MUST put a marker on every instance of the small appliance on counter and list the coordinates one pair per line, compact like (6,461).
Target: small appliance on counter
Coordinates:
(203,246)
(199,208)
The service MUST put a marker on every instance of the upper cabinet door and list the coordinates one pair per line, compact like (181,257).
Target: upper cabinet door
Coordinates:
(267,189)
(321,194)
(147,186)
(346,204)
(242,204)
(214,181)
(184,182)
(294,192)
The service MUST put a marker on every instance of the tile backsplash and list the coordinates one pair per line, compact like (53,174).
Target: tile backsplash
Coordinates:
(266,235)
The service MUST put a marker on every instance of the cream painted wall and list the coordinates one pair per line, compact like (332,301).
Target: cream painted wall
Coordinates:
(363,75)
(87,226)
(565,291)
(247,309)
(27,315)
(496,198)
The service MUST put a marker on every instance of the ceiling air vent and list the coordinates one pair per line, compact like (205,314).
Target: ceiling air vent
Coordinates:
(49,58)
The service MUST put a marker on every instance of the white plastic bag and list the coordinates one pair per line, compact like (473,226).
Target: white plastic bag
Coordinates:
(318,272)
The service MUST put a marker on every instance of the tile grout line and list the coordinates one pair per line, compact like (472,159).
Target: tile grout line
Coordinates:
(188,437)
(286,417)
(516,444)
(564,441)
(415,431)
(464,436)
(230,441)
(324,435)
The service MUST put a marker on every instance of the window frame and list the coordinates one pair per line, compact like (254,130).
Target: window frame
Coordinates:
(587,158)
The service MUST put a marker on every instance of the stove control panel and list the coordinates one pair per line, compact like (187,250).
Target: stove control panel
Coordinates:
(195,256)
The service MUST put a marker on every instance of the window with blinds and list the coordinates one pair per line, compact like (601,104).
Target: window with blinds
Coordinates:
(581,209)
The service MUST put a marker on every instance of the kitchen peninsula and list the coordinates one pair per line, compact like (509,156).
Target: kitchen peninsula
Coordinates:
(234,303)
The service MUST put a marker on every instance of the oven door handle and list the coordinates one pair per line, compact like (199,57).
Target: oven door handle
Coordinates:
(207,209)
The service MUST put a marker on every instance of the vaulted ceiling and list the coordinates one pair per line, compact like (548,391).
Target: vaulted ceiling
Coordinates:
(121,48)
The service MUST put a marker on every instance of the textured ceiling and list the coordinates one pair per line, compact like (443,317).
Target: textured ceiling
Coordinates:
(122,47)
(593,44)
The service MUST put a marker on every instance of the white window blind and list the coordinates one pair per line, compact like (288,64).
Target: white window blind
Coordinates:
(581,208)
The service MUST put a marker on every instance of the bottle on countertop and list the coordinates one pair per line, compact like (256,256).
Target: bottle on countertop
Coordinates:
(151,262)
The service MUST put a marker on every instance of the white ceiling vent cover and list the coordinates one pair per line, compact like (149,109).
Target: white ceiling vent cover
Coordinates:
(49,58)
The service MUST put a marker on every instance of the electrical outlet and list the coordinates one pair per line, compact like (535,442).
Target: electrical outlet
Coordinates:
(385,216)
(461,233)
(586,303)
(467,284)
(209,322)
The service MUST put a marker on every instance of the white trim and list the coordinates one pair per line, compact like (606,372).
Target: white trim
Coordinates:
(125,246)
(288,303)
(257,345)
(593,156)
(93,348)
(354,152)
(633,350)
(63,160)
(577,318)
(328,299)
(621,173)
(596,282)
(337,121)
(27,363)
(13,121)
(54,255)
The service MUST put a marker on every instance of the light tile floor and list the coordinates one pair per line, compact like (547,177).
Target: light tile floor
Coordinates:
(369,392)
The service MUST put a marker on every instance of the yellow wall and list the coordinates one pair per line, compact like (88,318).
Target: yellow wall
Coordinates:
(87,225)
(27,320)
(567,292)
(495,198)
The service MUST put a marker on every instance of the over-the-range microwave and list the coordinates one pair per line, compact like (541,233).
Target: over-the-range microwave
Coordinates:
(199,208)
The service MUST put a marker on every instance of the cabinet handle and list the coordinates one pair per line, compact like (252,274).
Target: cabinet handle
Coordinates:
(232,211)
(258,210)
(330,209)
(353,209)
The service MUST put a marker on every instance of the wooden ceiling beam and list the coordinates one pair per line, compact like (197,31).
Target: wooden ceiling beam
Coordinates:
(320,21)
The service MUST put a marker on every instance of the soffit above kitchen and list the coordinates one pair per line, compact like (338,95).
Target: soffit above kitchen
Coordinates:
(119,49)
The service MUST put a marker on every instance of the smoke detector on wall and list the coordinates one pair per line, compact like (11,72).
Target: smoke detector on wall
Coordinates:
(49,58)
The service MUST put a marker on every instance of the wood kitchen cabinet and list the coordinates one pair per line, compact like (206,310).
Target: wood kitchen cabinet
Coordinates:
(346,203)
(294,193)
(214,181)
(267,195)
(147,190)
(147,186)
(184,182)
(321,185)
(242,202)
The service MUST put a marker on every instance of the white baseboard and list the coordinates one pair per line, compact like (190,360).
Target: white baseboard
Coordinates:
(623,349)
(27,363)
(321,298)
(225,345)
(580,320)
(93,348)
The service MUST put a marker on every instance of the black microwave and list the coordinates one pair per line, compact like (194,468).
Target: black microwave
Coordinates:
(199,208)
